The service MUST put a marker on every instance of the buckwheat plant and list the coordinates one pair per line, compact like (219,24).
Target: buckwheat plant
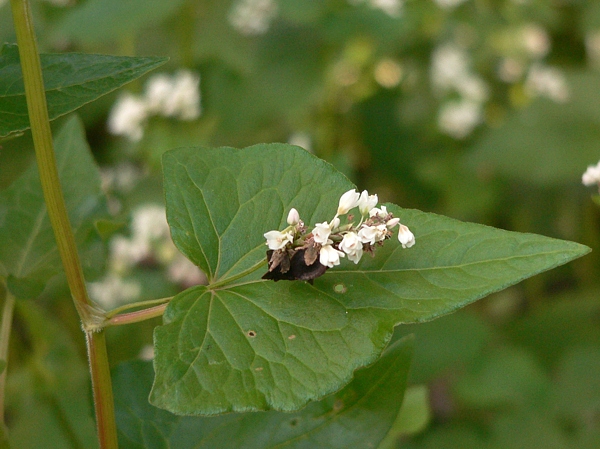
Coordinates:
(316,347)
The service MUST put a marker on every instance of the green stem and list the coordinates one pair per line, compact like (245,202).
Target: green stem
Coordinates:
(7,315)
(57,212)
(44,149)
(135,305)
(102,390)
(229,280)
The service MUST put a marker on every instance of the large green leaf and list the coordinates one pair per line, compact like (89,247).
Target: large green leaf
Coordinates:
(71,80)
(360,415)
(242,343)
(28,252)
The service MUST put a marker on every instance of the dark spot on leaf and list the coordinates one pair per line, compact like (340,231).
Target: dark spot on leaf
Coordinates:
(251,334)
(294,422)
(340,288)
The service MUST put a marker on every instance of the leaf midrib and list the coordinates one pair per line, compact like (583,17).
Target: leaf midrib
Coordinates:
(91,80)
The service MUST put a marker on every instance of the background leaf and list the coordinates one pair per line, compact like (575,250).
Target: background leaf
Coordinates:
(251,344)
(546,143)
(71,80)
(97,21)
(360,415)
(28,252)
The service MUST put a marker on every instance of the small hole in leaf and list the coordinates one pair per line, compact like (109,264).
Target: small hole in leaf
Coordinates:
(294,422)
(340,288)
(251,334)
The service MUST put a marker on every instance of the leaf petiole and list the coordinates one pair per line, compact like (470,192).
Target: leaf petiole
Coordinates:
(135,305)
(244,273)
(137,316)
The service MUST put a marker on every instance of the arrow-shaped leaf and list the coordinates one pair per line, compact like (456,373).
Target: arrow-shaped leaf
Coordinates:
(243,343)
(70,79)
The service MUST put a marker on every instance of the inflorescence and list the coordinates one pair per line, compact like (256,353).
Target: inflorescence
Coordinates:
(295,254)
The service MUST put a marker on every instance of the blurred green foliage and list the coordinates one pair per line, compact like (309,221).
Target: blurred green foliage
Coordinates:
(357,85)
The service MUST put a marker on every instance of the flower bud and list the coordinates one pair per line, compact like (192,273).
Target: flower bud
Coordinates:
(348,200)
(392,222)
(405,237)
(366,202)
(293,217)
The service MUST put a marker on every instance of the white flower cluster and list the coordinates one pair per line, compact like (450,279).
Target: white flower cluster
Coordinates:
(176,96)
(591,176)
(548,82)
(392,8)
(149,244)
(451,74)
(253,17)
(525,49)
(333,240)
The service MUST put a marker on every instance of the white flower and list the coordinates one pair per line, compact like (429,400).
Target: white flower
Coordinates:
(366,202)
(149,223)
(348,200)
(547,81)
(158,90)
(125,253)
(372,234)
(591,175)
(535,40)
(459,118)
(277,239)
(405,237)
(183,271)
(592,47)
(127,117)
(329,256)
(352,245)
(293,217)
(301,139)
(252,17)
(449,64)
(113,291)
(174,96)
(381,213)
(321,232)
